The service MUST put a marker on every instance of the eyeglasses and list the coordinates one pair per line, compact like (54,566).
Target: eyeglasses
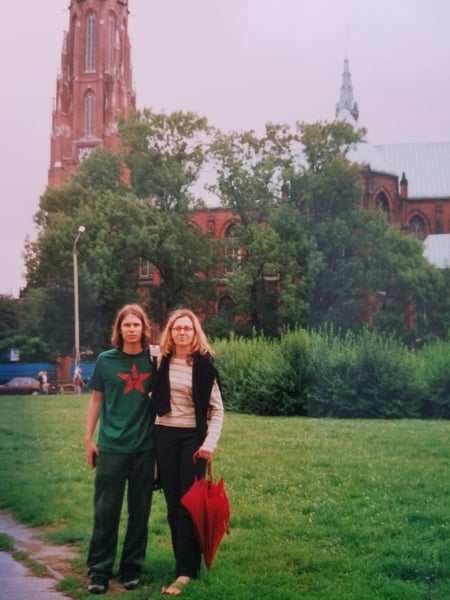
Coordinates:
(179,329)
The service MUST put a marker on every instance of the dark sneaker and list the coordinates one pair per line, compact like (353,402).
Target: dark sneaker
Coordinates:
(98,585)
(131,584)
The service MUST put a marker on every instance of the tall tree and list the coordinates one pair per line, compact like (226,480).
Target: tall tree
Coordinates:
(367,270)
(326,185)
(107,258)
(413,298)
(250,172)
(120,231)
(299,261)
(184,260)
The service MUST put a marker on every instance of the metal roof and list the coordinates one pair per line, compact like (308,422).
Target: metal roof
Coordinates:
(436,249)
(365,153)
(426,167)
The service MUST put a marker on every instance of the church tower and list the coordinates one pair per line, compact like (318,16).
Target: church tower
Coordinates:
(94,85)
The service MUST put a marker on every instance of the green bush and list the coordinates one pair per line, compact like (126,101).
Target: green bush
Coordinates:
(331,366)
(434,372)
(362,375)
(263,376)
(327,374)
(249,371)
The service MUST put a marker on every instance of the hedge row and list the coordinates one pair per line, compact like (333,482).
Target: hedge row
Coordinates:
(323,374)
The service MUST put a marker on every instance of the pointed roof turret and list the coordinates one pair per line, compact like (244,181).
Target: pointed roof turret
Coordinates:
(346,106)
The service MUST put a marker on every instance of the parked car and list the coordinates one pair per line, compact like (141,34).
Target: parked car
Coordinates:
(20,385)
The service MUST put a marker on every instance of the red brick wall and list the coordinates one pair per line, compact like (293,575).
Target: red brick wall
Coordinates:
(111,87)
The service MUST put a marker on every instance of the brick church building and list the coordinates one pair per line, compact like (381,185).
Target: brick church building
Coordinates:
(94,84)
(409,182)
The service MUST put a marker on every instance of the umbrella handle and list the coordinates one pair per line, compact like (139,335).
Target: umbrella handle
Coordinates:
(196,456)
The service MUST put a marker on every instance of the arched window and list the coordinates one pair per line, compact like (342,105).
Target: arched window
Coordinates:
(73,49)
(146,269)
(382,204)
(90,42)
(232,254)
(89,110)
(111,44)
(417,227)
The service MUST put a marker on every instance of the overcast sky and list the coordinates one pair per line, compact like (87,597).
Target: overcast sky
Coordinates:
(240,63)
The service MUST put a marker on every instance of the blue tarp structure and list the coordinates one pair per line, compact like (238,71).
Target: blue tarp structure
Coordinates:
(18,369)
(8,370)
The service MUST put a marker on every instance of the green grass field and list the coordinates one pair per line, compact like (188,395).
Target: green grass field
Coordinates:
(321,508)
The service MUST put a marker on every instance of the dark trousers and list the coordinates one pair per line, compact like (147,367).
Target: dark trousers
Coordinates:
(175,447)
(113,473)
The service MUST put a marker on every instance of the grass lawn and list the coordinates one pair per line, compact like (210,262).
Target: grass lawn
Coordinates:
(321,509)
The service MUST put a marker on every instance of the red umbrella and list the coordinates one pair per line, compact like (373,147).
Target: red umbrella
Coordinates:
(208,505)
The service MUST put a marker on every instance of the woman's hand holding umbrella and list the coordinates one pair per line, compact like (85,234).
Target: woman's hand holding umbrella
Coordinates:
(203,453)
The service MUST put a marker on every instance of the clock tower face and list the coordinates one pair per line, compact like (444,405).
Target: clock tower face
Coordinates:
(83,152)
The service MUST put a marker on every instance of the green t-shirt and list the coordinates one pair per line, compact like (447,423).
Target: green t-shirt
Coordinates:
(126,423)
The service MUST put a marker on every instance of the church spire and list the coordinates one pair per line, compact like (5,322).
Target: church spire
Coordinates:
(94,85)
(346,105)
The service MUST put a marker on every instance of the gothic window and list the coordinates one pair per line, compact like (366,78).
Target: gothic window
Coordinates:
(382,204)
(73,48)
(111,44)
(146,269)
(417,227)
(90,42)
(89,106)
(232,254)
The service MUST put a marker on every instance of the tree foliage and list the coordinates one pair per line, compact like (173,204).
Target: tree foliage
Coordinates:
(322,143)
(165,155)
(184,259)
(121,230)
(9,316)
(302,252)
(250,170)
(250,173)
(368,270)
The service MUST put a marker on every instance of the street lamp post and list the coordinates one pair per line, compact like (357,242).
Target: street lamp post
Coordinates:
(81,229)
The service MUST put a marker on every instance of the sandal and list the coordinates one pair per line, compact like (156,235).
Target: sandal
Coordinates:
(176,585)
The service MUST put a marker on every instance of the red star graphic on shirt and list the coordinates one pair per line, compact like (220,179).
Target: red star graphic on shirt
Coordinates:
(134,380)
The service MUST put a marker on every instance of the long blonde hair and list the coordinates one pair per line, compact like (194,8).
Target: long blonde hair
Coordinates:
(137,311)
(199,341)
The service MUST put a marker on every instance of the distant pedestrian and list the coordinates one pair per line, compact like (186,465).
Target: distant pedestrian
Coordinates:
(41,381)
(45,384)
(78,383)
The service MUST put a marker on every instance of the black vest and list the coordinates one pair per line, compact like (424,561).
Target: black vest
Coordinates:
(204,373)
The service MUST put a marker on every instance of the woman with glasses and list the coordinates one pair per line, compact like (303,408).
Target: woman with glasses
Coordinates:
(189,414)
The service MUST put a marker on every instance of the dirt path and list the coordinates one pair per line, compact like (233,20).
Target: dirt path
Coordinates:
(57,558)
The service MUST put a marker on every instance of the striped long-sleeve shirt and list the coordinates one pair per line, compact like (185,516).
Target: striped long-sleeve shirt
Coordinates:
(182,413)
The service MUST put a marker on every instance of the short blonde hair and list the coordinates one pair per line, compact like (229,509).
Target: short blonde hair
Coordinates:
(199,341)
(137,311)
